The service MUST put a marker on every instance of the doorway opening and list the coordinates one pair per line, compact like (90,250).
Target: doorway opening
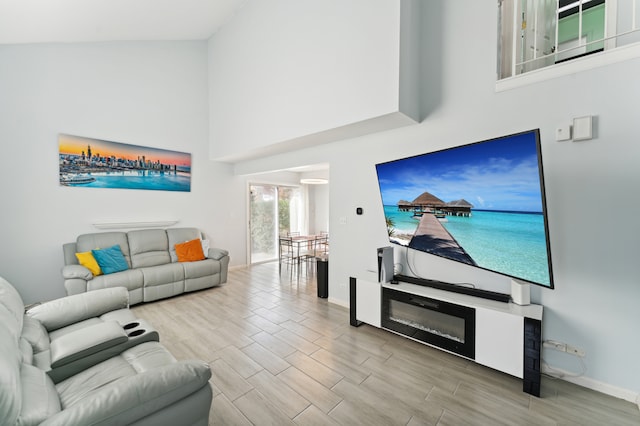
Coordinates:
(274,210)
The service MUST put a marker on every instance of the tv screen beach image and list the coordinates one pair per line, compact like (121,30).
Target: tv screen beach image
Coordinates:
(95,163)
(480,204)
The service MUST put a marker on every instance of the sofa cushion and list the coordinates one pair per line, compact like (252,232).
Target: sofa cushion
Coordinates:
(191,251)
(131,279)
(162,274)
(201,275)
(83,384)
(110,259)
(133,361)
(98,240)
(39,396)
(163,281)
(147,356)
(180,235)
(207,267)
(125,393)
(148,247)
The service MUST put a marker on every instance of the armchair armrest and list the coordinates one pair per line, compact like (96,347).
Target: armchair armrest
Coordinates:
(71,309)
(216,253)
(130,399)
(76,271)
(86,341)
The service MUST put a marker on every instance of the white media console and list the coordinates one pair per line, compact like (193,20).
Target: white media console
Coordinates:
(505,336)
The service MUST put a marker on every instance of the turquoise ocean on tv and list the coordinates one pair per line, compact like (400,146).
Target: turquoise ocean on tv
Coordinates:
(512,243)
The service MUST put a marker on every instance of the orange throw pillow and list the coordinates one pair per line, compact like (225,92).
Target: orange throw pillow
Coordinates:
(190,251)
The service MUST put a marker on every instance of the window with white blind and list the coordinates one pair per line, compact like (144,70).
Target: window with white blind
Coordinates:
(537,34)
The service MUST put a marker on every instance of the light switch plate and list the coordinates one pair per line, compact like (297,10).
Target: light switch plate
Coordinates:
(563,133)
(582,128)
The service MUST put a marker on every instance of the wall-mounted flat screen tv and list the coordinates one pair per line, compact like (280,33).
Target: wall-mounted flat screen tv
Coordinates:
(482,204)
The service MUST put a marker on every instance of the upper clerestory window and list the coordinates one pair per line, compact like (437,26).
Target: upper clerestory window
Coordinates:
(534,34)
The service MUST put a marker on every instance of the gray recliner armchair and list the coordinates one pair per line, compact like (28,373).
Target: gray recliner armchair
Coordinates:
(69,334)
(86,359)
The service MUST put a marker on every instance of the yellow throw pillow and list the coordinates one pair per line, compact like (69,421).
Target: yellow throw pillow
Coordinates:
(87,260)
(190,251)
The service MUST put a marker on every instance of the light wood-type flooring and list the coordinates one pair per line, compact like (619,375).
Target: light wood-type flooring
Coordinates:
(282,356)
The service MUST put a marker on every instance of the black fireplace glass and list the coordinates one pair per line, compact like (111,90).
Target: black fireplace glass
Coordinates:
(442,324)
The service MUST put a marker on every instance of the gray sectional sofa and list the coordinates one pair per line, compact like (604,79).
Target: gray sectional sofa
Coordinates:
(153,269)
(76,361)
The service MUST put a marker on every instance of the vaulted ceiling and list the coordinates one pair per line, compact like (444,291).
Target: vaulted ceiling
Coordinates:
(78,21)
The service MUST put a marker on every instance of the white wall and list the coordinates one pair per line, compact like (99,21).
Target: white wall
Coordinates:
(318,208)
(311,67)
(151,94)
(591,185)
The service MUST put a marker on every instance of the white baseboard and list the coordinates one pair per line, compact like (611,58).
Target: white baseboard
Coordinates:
(245,266)
(589,383)
(338,302)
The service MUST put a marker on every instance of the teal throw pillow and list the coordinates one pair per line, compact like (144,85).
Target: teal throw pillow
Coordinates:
(110,259)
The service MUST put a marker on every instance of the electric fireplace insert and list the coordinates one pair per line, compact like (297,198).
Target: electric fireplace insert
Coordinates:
(446,325)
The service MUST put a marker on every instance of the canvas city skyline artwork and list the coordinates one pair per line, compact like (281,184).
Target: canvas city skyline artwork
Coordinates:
(96,163)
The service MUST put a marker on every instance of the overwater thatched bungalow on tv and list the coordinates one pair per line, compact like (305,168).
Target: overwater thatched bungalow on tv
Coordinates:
(429,203)
(459,207)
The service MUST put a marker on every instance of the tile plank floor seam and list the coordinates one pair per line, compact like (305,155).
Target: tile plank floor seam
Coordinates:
(281,355)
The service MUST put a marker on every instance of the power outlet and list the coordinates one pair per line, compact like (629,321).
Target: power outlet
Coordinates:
(563,347)
(576,351)
(552,344)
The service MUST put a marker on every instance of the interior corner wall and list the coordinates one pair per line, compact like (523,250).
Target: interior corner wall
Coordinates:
(591,186)
(147,93)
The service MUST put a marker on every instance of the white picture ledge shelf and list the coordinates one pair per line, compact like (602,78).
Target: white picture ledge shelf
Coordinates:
(124,225)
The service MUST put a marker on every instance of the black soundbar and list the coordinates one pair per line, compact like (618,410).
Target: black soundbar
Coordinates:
(455,288)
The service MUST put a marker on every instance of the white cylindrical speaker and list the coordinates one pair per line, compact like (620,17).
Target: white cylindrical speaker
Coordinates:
(520,293)
(385,264)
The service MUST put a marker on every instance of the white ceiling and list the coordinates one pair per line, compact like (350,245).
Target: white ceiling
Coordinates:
(78,21)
